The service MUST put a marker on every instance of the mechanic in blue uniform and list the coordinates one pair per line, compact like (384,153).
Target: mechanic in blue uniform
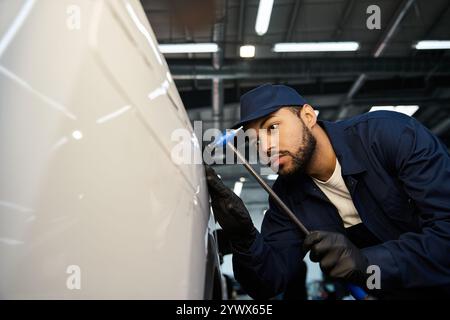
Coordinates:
(374,188)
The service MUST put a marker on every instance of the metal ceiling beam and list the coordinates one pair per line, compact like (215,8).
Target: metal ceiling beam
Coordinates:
(292,21)
(430,31)
(442,127)
(441,103)
(188,37)
(356,85)
(400,100)
(436,66)
(344,17)
(217,94)
(306,68)
(379,49)
(392,28)
(240,33)
(337,34)
(437,20)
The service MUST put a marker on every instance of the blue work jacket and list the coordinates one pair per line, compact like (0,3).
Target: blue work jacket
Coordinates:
(398,175)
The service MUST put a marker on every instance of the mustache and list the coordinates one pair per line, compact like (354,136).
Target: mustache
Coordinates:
(275,154)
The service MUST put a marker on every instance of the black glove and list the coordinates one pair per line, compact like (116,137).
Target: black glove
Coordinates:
(338,257)
(230,212)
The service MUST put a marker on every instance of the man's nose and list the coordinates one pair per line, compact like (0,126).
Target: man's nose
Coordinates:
(263,143)
(267,146)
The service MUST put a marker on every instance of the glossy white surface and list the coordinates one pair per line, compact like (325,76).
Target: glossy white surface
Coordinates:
(86,117)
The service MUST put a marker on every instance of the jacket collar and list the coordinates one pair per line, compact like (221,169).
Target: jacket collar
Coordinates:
(342,139)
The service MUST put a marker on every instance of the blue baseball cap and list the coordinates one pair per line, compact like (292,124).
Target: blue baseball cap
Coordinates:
(265,99)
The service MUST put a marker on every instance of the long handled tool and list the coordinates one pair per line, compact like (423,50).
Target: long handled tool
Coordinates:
(227,139)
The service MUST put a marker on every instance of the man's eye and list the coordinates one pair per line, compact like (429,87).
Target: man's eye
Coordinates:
(273,127)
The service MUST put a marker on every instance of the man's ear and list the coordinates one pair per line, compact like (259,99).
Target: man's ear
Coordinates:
(308,115)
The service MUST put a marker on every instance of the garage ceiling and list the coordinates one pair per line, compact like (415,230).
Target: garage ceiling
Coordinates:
(386,70)
(400,75)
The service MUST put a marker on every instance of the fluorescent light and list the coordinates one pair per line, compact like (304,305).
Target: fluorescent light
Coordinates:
(408,110)
(247,51)
(189,48)
(272,176)
(315,46)
(263,16)
(238,188)
(432,45)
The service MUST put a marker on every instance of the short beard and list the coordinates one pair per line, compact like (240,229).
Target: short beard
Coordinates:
(303,156)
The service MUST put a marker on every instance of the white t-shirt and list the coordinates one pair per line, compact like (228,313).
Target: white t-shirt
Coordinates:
(338,194)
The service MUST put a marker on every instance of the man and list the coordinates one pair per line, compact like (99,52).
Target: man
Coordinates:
(376,188)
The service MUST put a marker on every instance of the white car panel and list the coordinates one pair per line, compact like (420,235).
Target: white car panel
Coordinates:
(87,178)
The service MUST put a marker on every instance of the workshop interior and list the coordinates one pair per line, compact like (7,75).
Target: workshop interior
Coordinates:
(123,176)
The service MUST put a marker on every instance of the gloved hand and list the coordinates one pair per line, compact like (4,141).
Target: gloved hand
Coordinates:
(338,257)
(230,212)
